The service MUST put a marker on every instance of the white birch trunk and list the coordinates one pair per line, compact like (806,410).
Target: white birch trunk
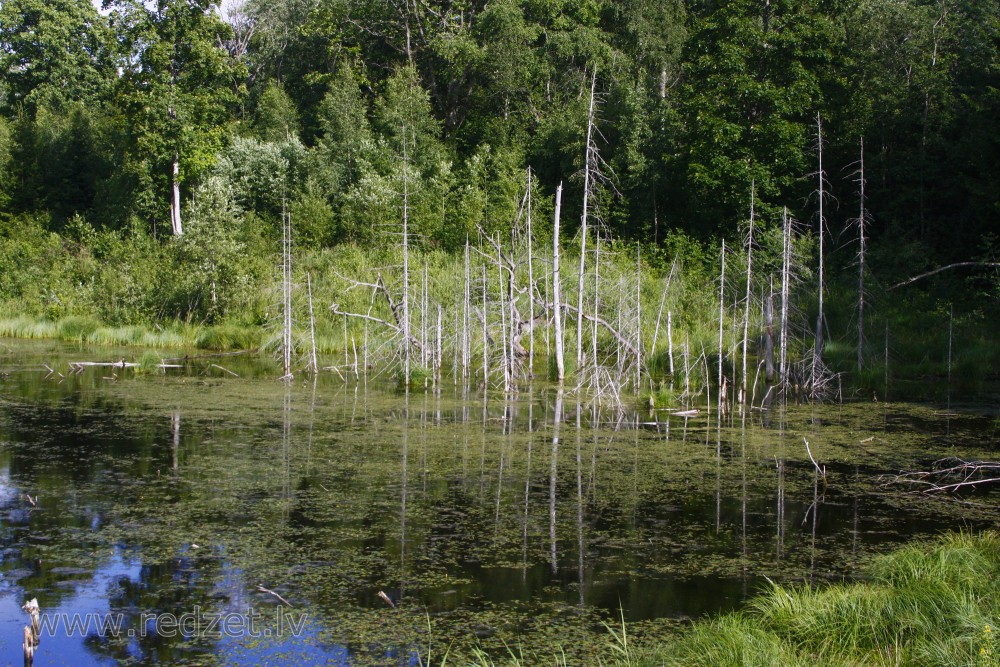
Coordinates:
(175,197)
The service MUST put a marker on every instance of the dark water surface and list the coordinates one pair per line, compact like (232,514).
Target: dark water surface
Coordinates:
(524,522)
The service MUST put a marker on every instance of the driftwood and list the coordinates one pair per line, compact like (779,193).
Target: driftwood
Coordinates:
(212,355)
(77,367)
(949,475)
(80,366)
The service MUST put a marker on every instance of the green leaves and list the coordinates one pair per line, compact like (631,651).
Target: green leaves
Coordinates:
(752,87)
(53,52)
(178,86)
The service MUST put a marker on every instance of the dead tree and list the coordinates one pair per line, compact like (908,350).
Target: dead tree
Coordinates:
(746,304)
(589,151)
(286,288)
(818,354)
(405,324)
(557,310)
(862,223)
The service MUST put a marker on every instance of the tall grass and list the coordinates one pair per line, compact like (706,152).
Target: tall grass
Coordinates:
(27,327)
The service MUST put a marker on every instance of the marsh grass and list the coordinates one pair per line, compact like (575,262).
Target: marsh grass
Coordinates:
(27,327)
(228,337)
(76,329)
(923,605)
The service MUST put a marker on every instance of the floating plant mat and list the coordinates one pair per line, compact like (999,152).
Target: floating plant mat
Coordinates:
(481,524)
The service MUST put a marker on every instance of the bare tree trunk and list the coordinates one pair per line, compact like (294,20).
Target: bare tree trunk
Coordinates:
(670,344)
(437,358)
(818,354)
(638,319)
(467,317)
(722,317)
(786,270)
(503,322)
(486,335)
(597,295)
(175,197)
(313,364)
(583,229)
(406,265)
(424,321)
(769,341)
(951,327)
(746,305)
(560,365)
(531,292)
(286,285)
(861,261)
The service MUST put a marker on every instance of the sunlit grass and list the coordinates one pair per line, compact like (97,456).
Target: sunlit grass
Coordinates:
(923,605)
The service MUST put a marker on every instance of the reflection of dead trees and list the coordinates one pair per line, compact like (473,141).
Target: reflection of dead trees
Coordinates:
(948,476)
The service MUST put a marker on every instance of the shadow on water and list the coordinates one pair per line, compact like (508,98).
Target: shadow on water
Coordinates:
(496,520)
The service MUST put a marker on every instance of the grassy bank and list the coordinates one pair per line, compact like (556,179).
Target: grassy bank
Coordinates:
(934,604)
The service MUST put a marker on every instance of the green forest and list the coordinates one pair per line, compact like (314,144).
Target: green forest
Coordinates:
(152,152)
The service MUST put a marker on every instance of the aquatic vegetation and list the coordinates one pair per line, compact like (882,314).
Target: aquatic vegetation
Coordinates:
(194,487)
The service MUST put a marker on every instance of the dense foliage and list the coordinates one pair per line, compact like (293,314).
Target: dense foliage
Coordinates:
(320,106)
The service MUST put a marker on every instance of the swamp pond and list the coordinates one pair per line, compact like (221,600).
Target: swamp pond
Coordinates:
(360,525)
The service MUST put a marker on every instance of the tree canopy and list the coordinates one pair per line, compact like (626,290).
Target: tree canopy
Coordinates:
(697,99)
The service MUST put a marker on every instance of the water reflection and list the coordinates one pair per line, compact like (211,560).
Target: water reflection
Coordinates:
(173,493)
